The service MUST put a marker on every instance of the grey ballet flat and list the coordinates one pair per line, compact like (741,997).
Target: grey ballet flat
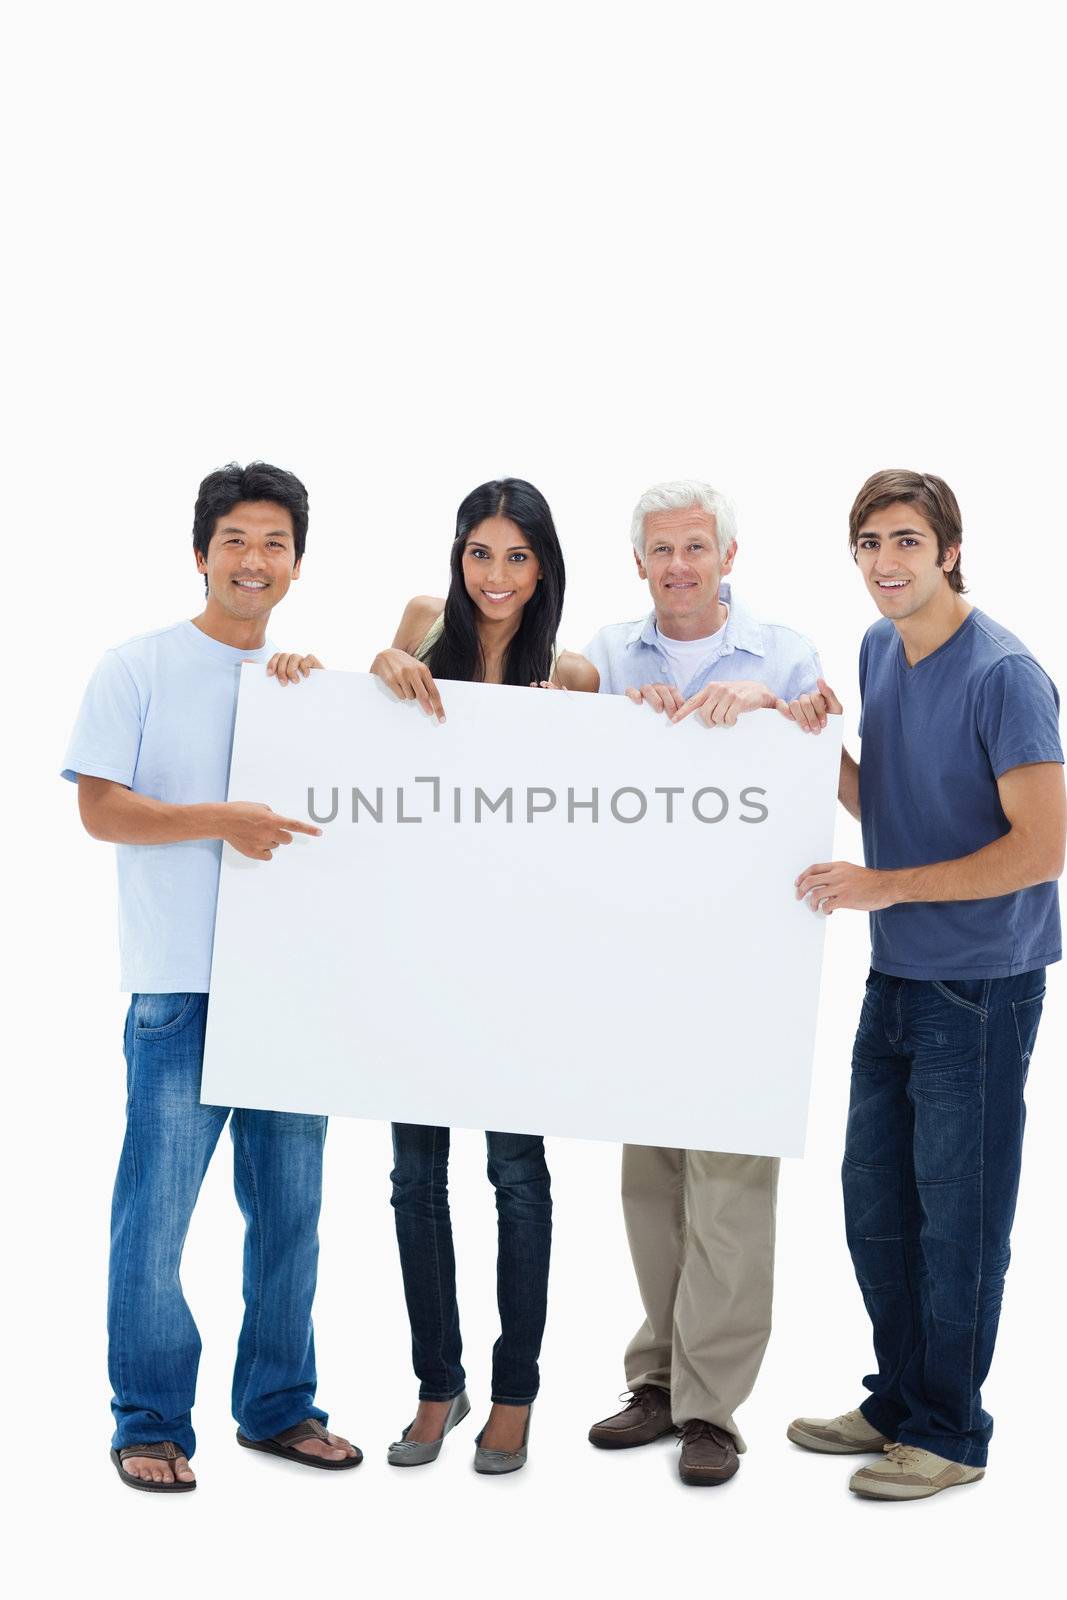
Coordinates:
(497,1461)
(416,1454)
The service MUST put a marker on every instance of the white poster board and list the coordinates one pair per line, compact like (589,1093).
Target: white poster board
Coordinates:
(473,943)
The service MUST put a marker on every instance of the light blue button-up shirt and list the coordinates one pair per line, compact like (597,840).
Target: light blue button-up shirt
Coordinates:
(627,655)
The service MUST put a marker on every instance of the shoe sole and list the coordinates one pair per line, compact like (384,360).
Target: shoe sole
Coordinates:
(301,1458)
(631,1444)
(812,1441)
(705,1480)
(910,1492)
(489,1471)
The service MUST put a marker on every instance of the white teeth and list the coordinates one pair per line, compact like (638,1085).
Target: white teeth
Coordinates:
(897,583)
(243,583)
(489,595)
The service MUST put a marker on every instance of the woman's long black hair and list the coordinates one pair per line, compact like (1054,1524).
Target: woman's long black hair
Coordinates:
(458,652)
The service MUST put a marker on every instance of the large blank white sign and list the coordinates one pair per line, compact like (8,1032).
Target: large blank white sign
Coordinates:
(554,913)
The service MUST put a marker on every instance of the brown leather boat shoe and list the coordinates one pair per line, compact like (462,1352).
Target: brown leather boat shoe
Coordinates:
(709,1455)
(644,1417)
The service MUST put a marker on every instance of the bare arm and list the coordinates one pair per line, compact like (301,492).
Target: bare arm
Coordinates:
(848,784)
(400,670)
(111,812)
(1032,799)
(419,615)
(1032,851)
(575,672)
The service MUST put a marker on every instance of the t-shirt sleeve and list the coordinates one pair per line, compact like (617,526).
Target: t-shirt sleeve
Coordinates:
(107,735)
(1018,715)
(864,642)
(804,673)
(596,652)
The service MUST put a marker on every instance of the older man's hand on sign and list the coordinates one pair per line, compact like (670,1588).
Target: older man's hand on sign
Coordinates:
(718,705)
(660,696)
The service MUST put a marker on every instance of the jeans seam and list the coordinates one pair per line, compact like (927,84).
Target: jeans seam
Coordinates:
(916,1319)
(981,1213)
(963,1177)
(123,1341)
(254,1197)
(437,1258)
(862,1166)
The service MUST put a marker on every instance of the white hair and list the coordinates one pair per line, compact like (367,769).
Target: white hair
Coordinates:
(679,496)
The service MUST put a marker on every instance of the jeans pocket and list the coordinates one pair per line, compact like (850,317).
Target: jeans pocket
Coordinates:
(967,993)
(1027,1014)
(157,1016)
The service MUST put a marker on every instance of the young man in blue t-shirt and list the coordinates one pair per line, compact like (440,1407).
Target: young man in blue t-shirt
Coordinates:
(961,800)
(150,753)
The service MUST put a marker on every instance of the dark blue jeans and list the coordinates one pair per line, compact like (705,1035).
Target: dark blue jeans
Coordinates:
(153,1343)
(931,1175)
(518,1173)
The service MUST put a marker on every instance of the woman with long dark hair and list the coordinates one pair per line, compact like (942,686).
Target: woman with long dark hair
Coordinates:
(497,625)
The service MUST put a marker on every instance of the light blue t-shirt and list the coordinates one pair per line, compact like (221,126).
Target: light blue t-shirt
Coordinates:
(936,737)
(629,654)
(158,718)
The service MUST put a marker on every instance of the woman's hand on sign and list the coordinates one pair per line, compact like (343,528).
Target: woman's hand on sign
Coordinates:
(409,679)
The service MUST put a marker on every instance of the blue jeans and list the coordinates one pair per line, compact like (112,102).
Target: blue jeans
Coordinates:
(931,1175)
(518,1173)
(154,1347)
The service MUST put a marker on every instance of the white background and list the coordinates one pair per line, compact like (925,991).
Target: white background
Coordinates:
(401,250)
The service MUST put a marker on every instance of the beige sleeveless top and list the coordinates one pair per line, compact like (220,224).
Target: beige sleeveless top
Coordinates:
(436,629)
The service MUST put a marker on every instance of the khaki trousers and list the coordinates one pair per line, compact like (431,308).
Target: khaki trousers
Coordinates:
(701,1232)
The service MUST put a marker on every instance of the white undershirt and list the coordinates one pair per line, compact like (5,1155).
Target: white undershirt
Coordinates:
(685,657)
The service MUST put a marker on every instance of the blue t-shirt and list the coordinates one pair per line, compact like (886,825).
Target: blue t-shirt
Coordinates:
(158,718)
(936,737)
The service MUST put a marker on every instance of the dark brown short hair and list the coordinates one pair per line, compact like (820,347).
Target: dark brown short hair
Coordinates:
(934,499)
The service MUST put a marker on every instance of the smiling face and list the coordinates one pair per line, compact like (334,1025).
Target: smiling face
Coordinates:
(683,568)
(249,563)
(896,551)
(500,569)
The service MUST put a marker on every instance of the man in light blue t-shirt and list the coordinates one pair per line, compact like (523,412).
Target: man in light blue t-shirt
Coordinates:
(960,795)
(150,753)
(700,1223)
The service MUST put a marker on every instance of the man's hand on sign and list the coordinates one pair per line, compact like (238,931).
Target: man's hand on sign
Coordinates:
(255,830)
(718,705)
(409,679)
(289,666)
(810,711)
(831,886)
(660,696)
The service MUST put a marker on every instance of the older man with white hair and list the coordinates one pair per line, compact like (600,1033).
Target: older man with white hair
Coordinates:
(700,1223)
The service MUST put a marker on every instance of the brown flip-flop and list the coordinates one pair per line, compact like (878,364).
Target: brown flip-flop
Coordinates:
(283,1445)
(164,1450)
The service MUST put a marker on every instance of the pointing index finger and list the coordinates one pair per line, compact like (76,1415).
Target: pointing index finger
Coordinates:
(296,826)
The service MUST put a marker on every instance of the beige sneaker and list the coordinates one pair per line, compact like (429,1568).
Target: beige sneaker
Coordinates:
(907,1473)
(847,1435)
